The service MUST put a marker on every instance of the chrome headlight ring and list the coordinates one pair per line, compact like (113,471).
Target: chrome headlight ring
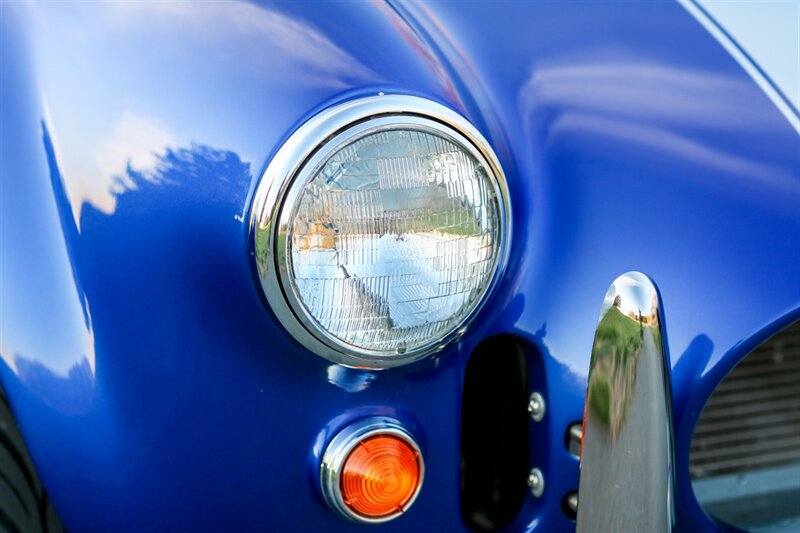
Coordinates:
(294,164)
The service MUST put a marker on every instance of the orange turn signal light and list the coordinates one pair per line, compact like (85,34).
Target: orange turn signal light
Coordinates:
(372,471)
(380,476)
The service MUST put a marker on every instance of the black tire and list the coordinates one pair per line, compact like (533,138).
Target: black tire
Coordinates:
(24,505)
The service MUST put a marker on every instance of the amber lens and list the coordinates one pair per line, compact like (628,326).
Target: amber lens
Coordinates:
(380,476)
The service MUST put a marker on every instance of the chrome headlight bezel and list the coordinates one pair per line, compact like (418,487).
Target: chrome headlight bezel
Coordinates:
(280,186)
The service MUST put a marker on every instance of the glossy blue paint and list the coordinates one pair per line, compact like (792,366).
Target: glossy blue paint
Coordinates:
(152,384)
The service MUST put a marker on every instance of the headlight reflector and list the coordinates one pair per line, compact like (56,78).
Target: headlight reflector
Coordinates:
(389,235)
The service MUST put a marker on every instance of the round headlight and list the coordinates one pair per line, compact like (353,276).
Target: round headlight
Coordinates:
(379,228)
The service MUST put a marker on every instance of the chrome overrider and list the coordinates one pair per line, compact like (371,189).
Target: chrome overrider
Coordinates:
(626,457)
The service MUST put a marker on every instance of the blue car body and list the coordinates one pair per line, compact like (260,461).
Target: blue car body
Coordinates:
(154,387)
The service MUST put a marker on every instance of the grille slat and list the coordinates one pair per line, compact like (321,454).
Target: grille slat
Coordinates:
(752,420)
(749,408)
(740,464)
(787,391)
(788,353)
(736,428)
(768,431)
(746,449)
(758,383)
(766,370)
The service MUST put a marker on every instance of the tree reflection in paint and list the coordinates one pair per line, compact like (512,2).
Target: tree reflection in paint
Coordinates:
(172,228)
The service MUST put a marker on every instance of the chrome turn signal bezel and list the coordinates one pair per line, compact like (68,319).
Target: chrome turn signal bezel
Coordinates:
(339,449)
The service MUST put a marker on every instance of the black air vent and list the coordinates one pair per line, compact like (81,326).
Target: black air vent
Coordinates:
(494,434)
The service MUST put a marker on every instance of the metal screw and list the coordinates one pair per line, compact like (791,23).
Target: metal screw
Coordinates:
(536,482)
(536,406)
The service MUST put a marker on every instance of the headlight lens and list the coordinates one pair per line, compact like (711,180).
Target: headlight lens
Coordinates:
(393,239)
(389,237)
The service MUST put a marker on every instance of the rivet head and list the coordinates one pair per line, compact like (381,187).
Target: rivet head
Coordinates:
(536,482)
(536,406)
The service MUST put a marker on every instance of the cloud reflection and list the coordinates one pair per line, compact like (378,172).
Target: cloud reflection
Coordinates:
(273,38)
(70,395)
(640,89)
(661,112)
(134,142)
(122,86)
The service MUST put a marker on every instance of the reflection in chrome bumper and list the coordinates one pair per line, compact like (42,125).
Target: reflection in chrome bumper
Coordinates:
(626,451)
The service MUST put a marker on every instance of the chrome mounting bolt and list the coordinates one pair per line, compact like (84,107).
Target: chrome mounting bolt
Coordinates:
(536,406)
(536,482)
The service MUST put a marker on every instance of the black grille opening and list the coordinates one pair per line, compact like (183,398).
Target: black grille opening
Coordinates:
(494,434)
(745,453)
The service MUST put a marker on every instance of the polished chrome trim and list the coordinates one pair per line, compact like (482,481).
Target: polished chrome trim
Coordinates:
(626,476)
(571,504)
(536,482)
(282,182)
(340,447)
(574,437)
(536,407)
